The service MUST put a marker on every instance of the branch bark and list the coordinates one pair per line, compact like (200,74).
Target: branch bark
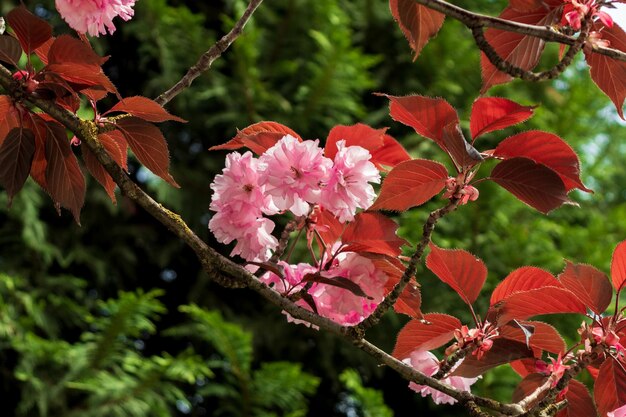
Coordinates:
(206,60)
(477,20)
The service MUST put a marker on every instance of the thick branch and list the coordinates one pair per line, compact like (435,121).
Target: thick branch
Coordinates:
(392,297)
(207,59)
(477,20)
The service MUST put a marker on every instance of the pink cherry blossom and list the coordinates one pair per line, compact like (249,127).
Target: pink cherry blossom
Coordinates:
(293,277)
(427,363)
(292,172)
(348,186)
(94,16)
(341,305)
(239,202)
(619,412)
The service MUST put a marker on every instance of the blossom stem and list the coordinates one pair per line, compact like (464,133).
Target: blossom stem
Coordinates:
(392,297)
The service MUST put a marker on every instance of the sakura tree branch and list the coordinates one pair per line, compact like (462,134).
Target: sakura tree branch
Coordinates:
(206,60)
(517,72)
(477,20)
(392,297)
(452,360)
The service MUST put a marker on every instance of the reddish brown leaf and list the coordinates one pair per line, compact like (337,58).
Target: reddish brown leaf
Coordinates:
(524,367)
(461,270)
(9,117)
(66,49)
(258,137)
(390,154)
(533,183)
(30,30)
(463,154)
(10,50)
(115,145)
(610,387)
(16,157)
(525,5)
(428,116)
(528,385)
(411,184)
(328,228)
(37,124)
(579,401)
(373,232)
(502,351)
(547,149)
(618,266)
(42,50)
(64,179)
(610,74)
(148,145)
(519,50)
(99,173)
(340,282)
(544,336)
(546,300)
(359,134)
(590,285)
(145,109)
(410,300)
(418,23)
(419,335)
(82,76)
(494,113)
(522,279)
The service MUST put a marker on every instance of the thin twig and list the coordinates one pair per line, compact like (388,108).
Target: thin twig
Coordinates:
(452,360)
(207,59)
(392,297)
(477,20)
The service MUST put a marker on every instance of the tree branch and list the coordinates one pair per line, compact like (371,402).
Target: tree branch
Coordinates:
(206,60)
(477,20)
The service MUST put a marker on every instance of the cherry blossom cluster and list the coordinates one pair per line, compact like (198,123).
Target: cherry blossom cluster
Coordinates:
(291,176)
(94,16)
(427,363)
(332,301)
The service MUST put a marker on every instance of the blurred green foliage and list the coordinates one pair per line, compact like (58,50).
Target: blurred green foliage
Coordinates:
(93,346)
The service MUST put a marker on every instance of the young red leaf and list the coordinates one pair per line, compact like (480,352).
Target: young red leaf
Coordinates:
(528,385)
(148,145)
(618,266)
(64,179)
(427,115)
(579,401)
(99,173)
(463,154)
(525,5)
(9,117)
(610,74)
(520,50)
(544,336)
(30,30)
(16,157)
(461,270)
(116,146)
(547,149)
(66,49)
(418,23)
(359,134)
(502,351)
(522,279)
(434,331)
(43,49)
(340,282)
(145,109)
(10,50)
(533,183)
(411,184)
(494,113)
(524,367)
(545,300)
(409,302)
(327,227)
(610,388)
(258,137)
(82,76)
(590,285)
(37,124)
(390,154)
(373,232)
